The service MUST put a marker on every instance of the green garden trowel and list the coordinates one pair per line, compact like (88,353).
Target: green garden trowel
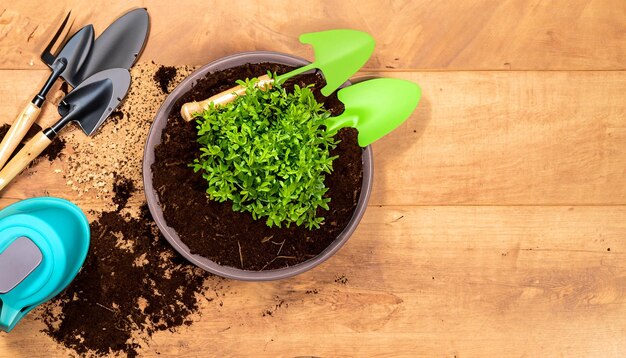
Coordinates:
(339,54)
(375,107)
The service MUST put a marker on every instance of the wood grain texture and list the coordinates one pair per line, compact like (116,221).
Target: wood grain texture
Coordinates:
(427,276)
(425,281)
(508,138)
(17,88)
(477,138)
(485,34)
(497,224)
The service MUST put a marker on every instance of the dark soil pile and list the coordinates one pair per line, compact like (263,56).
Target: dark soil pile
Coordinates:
(230,238)
(53,151)
(132,281)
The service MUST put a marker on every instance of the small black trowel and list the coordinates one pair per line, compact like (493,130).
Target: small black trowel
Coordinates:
(89,105)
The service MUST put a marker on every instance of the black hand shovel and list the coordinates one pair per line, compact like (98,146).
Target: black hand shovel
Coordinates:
(89,105)
(65,64)
(119,46)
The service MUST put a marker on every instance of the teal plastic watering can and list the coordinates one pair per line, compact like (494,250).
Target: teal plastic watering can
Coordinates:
(43,244)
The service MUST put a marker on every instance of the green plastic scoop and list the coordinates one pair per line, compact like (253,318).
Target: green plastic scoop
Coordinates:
(375,107)
(338,54)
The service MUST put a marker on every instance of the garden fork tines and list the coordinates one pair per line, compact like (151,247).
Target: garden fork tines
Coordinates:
(46,56)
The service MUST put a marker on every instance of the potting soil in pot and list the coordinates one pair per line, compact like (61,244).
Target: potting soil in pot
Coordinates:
(213,229)
(133,283)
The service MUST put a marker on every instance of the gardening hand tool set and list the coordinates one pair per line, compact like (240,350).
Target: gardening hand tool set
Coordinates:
(80,62)
(89,105)
(65,65)
(44,241)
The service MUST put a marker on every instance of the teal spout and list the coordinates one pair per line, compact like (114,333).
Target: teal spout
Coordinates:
(9,316)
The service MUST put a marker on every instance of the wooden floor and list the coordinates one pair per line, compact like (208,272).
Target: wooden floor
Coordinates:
(497,224)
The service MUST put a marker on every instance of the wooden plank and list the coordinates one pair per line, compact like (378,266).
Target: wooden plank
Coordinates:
(508,138)
(502,211)
(477,138)
(433,281)
(449,35)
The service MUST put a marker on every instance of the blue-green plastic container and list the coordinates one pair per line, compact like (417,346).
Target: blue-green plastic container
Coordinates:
(61,232)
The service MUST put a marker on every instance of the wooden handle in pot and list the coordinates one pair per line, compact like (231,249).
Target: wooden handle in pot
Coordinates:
(189,110)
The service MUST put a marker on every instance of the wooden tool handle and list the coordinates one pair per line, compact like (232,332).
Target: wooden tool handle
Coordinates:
(18,130)
(31,150)
(189,110)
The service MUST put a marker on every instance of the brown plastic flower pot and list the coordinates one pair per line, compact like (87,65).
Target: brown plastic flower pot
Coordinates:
(154,139)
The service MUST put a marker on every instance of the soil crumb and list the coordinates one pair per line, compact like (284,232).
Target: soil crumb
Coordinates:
(116,116)
(164,76)
(278,303)
(123,188)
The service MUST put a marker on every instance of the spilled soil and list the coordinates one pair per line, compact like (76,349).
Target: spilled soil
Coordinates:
(133,283)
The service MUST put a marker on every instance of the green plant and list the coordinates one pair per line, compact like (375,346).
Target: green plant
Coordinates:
(268,153)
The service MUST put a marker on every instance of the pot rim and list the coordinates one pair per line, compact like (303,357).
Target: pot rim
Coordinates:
(154,138)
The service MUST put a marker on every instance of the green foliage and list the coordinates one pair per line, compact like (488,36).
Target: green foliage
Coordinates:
(268,153)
